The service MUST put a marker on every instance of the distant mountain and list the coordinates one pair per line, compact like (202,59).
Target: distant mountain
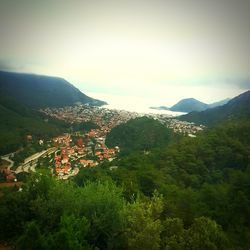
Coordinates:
(238,107)
(219,103)
(38,91)
(160,108)
(189,105)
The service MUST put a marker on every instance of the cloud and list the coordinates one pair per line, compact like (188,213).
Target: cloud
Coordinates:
(8,65)
(245,84)
(5,66)
(123,47)
(242,83)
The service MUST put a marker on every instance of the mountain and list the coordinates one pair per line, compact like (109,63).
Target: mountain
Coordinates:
(219,103)
(138,134)
(238,107)
(17,121)
(160,108)
(189,105)
(36,91)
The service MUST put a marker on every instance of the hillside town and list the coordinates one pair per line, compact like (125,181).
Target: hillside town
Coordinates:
(66,154)
(80,150)
(69,153)
(107,119)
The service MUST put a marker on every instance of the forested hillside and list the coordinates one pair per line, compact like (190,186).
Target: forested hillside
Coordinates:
(139,134)
(238,107)
(204,176)
(36,91)
(18,121)
(190,194)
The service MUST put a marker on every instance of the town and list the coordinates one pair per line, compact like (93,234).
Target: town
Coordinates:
(66,154)
(106,119)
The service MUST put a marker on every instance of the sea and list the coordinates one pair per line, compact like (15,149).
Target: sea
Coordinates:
(132,104)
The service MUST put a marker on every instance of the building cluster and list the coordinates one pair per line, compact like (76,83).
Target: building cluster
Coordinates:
(79,149)
(106,119)
(183,127)
(76,151)
(88,149)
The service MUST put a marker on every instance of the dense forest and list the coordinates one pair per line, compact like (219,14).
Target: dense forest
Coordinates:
(37,91)
(192,193)
(139,134)
(18,121)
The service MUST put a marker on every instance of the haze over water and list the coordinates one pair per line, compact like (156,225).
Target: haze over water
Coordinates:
(132,103)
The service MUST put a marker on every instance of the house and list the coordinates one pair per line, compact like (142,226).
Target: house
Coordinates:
(65,159)
(100,157)
(79,142)
(58,170)
(92,134)
(11,178)
(57,158)
(66,169)
(58,163)
(89,163)
(113,167)
(5,171)
(81,151)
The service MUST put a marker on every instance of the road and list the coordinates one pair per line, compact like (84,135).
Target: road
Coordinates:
(30,162)
(6,158)
(74,172)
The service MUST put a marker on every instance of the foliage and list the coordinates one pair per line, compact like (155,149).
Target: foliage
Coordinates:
(49,214)
(190,194)
(42,91)
(236,108)
(138,134)
(143,227)
(84,126)
(18,121)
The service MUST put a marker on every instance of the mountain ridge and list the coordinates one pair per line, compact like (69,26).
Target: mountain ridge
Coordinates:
(191,104)
(39,91)
(188,105)
(238,107)
(18,120)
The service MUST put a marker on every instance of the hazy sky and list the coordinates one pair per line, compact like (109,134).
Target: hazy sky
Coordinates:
(161,49)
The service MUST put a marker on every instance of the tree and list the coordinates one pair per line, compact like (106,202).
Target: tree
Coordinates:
(31,239)
(173,234)
(71,235)
(143,225)
(206,234)
(101,204)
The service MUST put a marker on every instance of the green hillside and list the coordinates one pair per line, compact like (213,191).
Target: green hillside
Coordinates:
(205,176)
(139,134)
(38,91)
(238,107)
(17,121)
(190,194)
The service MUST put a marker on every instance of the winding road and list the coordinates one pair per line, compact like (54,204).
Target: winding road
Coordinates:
(6,158)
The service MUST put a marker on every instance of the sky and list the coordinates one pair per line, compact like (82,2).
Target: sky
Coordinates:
(161,50)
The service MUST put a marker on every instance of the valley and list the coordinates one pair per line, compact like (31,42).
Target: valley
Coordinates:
(65,154)
(91,171)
